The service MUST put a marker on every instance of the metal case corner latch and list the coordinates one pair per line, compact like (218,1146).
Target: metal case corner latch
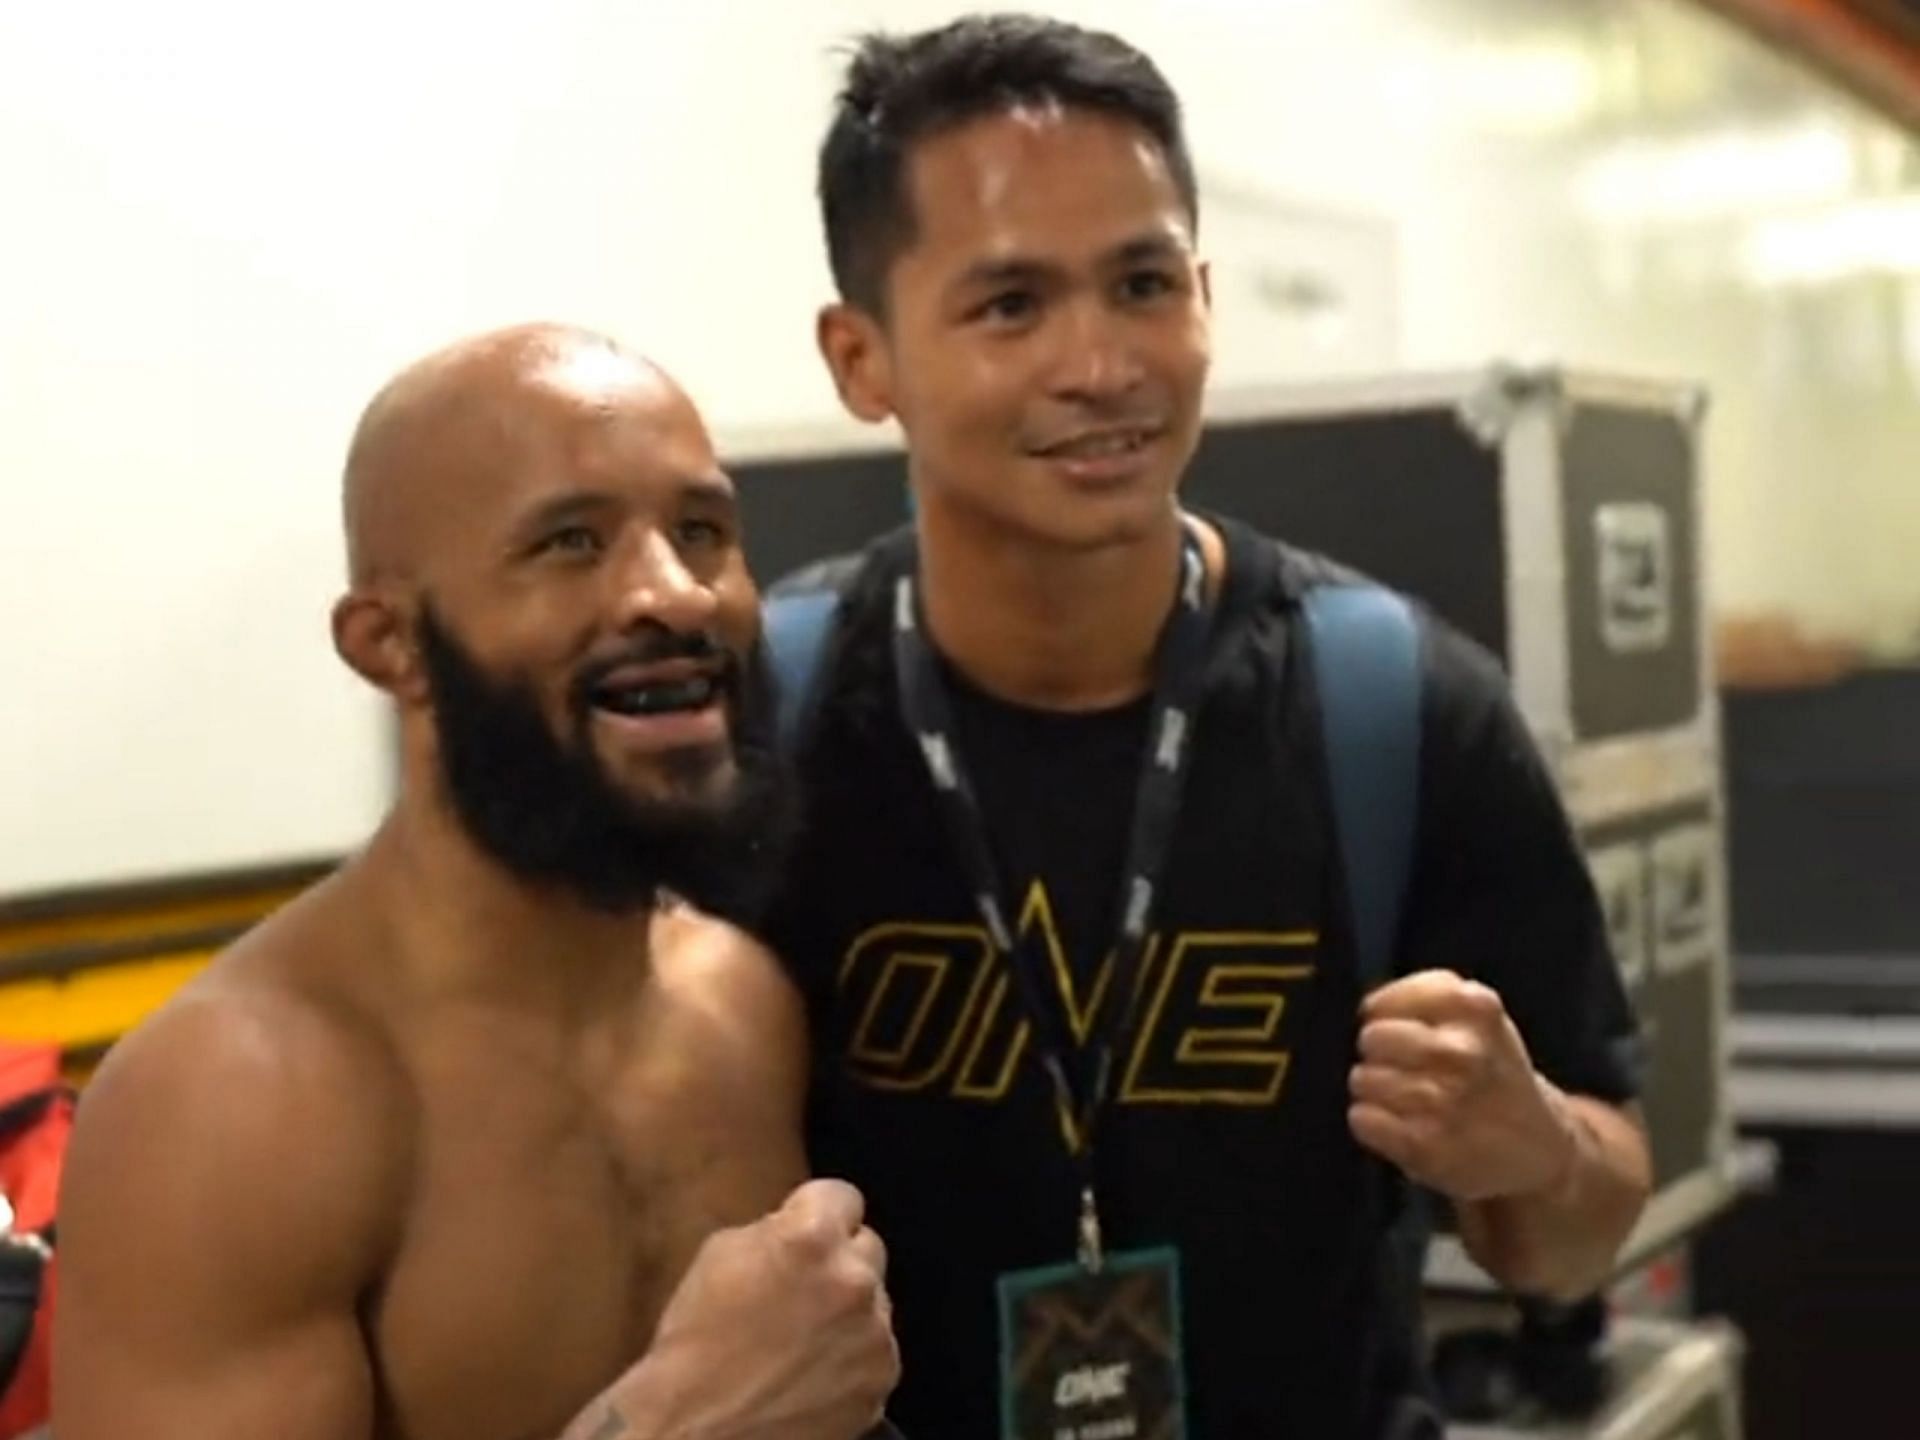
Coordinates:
(1633,544)
(1683,899)
(1620,879)
(1487,411)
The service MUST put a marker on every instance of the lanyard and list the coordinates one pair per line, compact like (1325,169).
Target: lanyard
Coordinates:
(1080,1075)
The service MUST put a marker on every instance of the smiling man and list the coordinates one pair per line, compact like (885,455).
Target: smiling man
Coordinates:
(1092,1028)
(494,1135)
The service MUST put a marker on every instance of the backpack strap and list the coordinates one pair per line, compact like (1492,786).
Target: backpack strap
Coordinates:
(796,626)
(1366,657)
(797,621)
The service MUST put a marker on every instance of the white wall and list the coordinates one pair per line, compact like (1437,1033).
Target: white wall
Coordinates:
(226,223)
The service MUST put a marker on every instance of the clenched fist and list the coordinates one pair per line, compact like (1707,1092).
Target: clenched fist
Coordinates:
(1445,1090)
(781,1328)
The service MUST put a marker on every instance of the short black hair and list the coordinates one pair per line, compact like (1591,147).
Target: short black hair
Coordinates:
(901,89)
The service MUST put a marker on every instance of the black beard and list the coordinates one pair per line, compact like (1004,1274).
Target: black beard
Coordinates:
(545,808)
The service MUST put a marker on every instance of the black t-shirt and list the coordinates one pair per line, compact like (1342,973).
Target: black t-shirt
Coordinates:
(1228,1137)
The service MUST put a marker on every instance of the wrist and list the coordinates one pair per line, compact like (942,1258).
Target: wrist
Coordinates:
(649,1402)
(1570,1143)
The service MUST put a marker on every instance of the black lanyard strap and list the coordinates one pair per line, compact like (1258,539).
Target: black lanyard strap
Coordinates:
(1081,1075)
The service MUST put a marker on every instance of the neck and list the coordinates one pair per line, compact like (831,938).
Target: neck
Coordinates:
(1042,625)
(471,927)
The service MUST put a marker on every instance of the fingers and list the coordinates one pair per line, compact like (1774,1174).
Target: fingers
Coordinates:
(828,1210)
(1386,1135)
(822,1221)
(871,1251)
(1400,1092)
(1412,1045)
(1435,997)
(1407,1044)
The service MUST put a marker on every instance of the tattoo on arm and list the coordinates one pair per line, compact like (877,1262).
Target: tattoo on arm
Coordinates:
(612,1426)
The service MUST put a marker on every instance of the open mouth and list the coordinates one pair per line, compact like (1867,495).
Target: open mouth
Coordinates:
(663,687)
(664,697)
(1101,445)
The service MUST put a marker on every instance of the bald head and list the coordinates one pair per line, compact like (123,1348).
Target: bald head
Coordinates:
(550,582)
(451,425)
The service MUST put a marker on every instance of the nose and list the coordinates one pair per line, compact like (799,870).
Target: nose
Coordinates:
(1097,362)
(654,586)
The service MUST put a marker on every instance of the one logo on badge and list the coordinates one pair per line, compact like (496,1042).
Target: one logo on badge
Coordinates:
(1091,1384)
(1093,1356)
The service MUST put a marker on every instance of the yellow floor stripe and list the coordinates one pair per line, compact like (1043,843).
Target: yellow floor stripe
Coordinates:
(147,922)
(93,1007)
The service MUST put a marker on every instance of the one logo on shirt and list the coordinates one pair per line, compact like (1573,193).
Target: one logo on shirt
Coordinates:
(932,1007)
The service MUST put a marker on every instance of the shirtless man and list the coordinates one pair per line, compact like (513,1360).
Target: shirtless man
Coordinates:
(492,1133)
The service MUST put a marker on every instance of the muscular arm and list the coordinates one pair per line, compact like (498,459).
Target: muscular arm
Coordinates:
(235,1187)
(225,1204)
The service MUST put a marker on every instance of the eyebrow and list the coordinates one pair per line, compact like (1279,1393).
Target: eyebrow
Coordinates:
(1022,269)
(1012,270)
(575,504)
(713,485)
(571,505)
(1156,246)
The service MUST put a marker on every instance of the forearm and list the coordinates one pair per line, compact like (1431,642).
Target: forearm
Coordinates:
(1561,1243)
(605,1420)
(665,1397)
(644,1404)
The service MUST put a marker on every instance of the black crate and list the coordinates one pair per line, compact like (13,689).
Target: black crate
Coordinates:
(1551,516)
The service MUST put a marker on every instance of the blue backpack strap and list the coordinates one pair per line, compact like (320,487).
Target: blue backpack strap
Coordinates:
(1366,657)
(796,627)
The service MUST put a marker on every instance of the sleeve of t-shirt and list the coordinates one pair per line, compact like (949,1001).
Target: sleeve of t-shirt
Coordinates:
(1500,891)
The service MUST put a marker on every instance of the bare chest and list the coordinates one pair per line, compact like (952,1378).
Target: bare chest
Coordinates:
(548,1227)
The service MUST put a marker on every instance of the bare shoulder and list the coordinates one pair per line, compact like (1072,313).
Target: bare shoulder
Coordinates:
(254,1106)
(233,1190)
(739,1025)
(734,982)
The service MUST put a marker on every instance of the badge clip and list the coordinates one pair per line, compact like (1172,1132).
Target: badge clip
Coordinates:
(1092,1252)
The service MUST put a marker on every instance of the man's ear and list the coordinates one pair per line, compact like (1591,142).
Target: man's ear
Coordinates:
(855,348)
(374,633)
(1206,284)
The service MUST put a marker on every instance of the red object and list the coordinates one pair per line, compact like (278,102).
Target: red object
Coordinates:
(36,1117)
(1870,46)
